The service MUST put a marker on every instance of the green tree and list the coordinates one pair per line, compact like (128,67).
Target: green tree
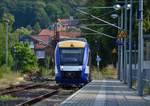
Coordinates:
(105,44)
(2,43)
(28,12)
(25,58)
(146,22)
(37,28)
(20,31)
(42,17)
(23,31)
(7,18)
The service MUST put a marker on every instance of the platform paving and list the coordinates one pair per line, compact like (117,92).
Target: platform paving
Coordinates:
(106,93)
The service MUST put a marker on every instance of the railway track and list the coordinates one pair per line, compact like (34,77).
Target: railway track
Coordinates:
(14,87)
(22,92)
(37,99)
(31,94)
(18,88)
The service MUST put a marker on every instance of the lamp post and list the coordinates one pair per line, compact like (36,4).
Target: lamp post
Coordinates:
(121,75)
(127,7)
(140,49)
(114,16)
(123,60)
(130,47)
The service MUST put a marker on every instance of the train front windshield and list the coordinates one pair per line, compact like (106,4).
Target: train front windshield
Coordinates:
(71,56)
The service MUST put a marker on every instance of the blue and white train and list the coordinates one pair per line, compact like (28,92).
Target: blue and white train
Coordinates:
(72,60)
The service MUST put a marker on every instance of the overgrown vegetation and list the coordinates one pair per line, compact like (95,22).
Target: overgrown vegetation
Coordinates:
(108,72)
(147,90)
(49,73)
(95,74)
(3,70)
(7,97)
(8,77)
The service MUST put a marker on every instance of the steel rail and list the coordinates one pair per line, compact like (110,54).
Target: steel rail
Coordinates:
(37,99)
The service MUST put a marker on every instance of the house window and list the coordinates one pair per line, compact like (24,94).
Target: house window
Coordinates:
(40,54)
(31,45)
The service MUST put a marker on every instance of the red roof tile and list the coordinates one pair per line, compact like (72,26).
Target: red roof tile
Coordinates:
(43,39)
(46,32)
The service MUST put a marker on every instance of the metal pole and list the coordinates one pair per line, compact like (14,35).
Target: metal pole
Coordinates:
(125,46)
(98,77)
(140,49)
(118,61)
(119,53)
(121,59)
(7,27)
(135,55)
(130,48)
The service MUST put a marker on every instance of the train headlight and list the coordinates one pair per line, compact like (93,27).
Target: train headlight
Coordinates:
(80,68)
(61,68)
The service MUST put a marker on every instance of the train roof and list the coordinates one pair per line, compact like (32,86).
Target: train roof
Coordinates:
(72,42)
(77,39)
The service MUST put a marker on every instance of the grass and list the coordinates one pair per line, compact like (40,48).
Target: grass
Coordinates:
(109,72)
(7,97)
(147,90)
(8,77)
(96,75)
(49,73)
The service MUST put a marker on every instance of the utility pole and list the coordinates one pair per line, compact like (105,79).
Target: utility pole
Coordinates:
(130,47)
(56,33)
(7,29)
(140,49)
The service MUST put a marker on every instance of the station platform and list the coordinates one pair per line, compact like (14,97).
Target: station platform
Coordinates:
(106,93)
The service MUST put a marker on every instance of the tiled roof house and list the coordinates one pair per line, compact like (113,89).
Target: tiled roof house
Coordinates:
(41,41)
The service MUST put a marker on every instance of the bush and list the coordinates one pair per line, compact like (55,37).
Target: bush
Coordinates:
(25,58)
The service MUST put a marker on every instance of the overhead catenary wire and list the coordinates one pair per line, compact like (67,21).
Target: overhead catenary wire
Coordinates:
(83,27)
(86,13)
(74,5)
